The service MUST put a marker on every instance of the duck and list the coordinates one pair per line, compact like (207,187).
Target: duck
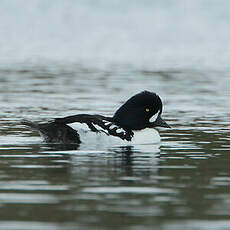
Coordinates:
(140,112)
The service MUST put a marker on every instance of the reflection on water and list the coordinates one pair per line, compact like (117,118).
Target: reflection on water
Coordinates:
(181,185)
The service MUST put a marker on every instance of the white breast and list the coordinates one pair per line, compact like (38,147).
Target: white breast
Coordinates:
(146,136)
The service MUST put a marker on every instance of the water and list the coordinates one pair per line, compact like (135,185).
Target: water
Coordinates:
(182,185)
(59,59)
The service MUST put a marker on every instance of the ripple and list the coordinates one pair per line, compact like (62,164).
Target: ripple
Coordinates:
(29,198)
(199,225)
(29,156)
(32,187)
(36,166)
(136,190)
(77,152)
(34,225)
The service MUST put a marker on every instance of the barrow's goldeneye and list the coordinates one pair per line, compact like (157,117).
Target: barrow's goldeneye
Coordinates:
(141,111)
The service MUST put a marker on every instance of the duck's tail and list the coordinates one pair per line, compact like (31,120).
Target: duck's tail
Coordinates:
(54,132)
(30,124)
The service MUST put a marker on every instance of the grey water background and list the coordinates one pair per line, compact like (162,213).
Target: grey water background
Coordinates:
(59,58)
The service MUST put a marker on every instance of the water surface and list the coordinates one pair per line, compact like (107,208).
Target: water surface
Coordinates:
(184,184)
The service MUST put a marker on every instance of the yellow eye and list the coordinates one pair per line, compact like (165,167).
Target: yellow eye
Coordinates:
(147,109)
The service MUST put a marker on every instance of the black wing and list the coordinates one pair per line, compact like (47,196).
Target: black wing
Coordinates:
(98,123)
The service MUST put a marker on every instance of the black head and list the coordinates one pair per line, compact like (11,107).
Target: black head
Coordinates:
(141,111)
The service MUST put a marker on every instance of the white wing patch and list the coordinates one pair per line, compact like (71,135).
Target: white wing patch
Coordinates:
(100,129)
(107,123)
(120,130)
(112,127)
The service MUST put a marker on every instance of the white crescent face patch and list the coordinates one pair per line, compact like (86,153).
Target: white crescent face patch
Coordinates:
(154,117)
